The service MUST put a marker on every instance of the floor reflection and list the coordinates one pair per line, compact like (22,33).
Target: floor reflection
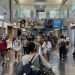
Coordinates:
(62,68)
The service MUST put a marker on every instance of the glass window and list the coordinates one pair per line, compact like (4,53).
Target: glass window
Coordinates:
(23,12)
(54,13)
(72,9)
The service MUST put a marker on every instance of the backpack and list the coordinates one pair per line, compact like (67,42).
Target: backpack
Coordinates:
(62,44)
(26,69)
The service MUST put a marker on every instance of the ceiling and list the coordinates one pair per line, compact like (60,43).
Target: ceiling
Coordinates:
(50,2)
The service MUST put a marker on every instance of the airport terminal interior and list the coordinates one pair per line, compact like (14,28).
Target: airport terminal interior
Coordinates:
(37,37)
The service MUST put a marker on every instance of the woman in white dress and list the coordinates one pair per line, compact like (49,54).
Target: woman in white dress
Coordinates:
(17,47)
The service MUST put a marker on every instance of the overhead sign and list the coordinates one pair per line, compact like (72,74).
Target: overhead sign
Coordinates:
(42,15)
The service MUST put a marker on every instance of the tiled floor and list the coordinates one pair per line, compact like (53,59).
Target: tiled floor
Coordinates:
(60,68)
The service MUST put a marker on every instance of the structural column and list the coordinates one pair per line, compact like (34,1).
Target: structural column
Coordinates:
(10,10)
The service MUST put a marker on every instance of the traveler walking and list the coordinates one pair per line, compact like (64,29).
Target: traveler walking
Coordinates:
(62,47)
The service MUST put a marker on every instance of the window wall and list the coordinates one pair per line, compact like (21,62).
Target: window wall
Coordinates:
(23,12)
(53,13)
(57,13)
(72,9)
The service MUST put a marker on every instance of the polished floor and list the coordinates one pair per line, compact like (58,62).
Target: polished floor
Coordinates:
(66,67)
(60,68)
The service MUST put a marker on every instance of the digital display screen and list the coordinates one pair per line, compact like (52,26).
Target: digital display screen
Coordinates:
(57,23)
(53,23)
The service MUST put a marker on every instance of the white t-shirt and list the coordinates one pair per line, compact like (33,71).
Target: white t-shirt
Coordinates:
(24,43)
(9,43)
(27,58)
(44,61)
(68,39)
(46,46)
(61,40)
(17,45)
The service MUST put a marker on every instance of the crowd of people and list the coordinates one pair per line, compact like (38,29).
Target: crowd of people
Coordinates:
(29,49)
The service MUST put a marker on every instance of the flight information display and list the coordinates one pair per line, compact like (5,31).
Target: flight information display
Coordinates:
(57,23)
(53,23)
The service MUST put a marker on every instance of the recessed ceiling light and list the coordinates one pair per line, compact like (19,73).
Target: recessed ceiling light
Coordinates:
(22,1)
(59,1)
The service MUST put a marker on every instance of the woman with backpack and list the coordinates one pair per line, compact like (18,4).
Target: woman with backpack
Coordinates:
(62,47)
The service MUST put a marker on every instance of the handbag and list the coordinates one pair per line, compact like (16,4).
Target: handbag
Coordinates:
(27,69)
